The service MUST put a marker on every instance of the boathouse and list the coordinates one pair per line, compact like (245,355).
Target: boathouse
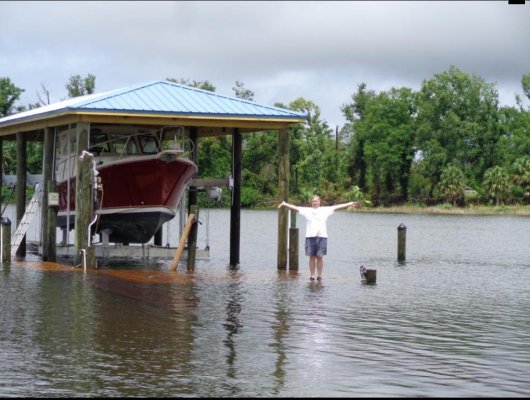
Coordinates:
(161,105)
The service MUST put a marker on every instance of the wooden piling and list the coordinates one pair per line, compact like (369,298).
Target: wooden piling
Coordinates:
(6,239)
(48,240)
(283,213)
(371,275)
(49,252)
(91,262)
(21,188)
(402,242)
(1,171)
(192,239)
(83,198)
(235,209)
(182,242)
(293,243)
(191,233)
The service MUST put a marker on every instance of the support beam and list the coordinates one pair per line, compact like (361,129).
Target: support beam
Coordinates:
(235,209)
(192,244)
(283,213)
(48,236)
(1,171)
(180,249)
(192,202)
(51,216)
(21,187)
(83,199)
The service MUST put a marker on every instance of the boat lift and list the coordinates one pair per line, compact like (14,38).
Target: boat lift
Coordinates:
(104,249)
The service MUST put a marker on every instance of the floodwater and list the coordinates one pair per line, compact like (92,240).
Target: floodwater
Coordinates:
(453,320)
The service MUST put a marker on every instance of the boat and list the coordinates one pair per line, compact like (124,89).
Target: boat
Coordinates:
(139,184)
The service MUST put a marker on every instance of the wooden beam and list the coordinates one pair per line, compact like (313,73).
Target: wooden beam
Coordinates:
(192,202)
(21,188)
(47,174)
(235,209)
(83,200)
(209,182)
(283,213)
(209,125)
(182,242)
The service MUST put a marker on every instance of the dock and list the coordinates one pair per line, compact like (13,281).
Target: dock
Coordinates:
(118,250)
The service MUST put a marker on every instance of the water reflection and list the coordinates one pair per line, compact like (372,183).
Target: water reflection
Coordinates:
(452,321)
(232,324)
(280,326)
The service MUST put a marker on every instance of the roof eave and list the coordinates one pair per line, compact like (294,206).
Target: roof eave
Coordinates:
(69,116)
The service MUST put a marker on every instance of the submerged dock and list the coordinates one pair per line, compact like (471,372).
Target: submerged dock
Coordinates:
(118,250)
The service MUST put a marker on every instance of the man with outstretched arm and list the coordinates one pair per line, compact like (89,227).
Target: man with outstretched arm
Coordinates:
(316,235)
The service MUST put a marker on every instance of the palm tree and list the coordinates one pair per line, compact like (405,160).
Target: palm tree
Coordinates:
(521,173)
(497,183)
(452,184)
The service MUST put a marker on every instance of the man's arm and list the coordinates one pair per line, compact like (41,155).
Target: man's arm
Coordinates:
(346,205)
(291,206)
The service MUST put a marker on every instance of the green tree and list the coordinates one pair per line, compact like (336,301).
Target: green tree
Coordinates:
(383,142)
(514,140)
(78,86)
(496,184)
(354,113)
(452,184)
(457,124)
(204,85)
(316,166)
(525,83)
(242,92)
(9,95)
(259,161)
(521,175)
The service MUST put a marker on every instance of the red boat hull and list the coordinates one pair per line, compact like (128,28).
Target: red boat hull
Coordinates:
(139,195)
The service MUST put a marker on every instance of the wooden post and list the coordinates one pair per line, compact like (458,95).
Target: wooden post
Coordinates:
(91,257)
(83,198)
(402,242)
(192,239)
(21,187)
(6,239)
(371,275)
(283,173)
(51,233)
(235,209)
(47,174)
(293,243)
(192,200)
(158,238)
(1,170)
(182,242)
(368,275)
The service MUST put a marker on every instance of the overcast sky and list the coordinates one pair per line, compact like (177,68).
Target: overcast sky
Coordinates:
(280,50)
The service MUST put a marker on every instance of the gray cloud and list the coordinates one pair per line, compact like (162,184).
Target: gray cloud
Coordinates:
(280,50)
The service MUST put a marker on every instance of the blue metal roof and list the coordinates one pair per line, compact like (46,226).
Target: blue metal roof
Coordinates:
(160,97)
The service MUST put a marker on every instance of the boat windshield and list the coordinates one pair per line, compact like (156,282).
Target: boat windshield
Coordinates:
(123,144)
(149,144)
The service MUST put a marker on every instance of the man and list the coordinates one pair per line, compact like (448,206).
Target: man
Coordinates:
(316,235)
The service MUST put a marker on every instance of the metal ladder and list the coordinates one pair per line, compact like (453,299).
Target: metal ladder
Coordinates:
(31,211)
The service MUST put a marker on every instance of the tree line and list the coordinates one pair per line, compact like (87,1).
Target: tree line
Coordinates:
(449,142)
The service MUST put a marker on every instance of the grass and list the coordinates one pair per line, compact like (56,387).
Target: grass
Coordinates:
(450,210)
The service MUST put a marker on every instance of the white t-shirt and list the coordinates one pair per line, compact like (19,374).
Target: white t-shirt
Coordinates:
(316,220)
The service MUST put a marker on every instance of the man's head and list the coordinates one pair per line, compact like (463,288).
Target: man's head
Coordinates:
(315,201)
